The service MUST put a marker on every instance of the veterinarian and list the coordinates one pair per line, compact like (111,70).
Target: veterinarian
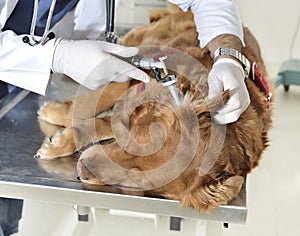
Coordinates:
(28,64)
(218,23)
(219,26)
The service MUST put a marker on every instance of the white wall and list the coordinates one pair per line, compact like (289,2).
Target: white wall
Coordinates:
(273,22)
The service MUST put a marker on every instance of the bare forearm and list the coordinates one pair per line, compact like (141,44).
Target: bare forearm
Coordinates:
(224,41)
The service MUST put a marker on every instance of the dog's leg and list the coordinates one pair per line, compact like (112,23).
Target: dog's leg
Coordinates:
(57,113)
(84,106)
(58,145)
(67,141)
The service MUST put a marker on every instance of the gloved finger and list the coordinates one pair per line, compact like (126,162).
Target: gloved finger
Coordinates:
(121,51)
(131,74)
(215,86)
(125,69)
(113,69)
(137,74)
(236,105)
(226,118)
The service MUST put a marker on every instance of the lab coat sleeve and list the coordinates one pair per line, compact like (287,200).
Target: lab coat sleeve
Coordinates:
(214,18)
(23,65)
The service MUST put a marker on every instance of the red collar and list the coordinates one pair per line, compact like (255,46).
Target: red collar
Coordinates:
(261,82)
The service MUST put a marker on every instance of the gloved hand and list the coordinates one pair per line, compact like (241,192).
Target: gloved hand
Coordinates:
(228,74)
(91,64)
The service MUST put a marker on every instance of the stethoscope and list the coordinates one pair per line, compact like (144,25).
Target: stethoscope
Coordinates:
(33,41)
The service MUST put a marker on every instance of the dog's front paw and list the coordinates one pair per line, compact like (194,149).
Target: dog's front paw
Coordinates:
(58,145)
(56,112)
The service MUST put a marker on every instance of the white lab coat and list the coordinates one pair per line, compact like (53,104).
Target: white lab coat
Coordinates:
(214,18)
(29,67)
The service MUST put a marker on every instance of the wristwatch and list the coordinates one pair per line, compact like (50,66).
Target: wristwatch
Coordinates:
(235,54)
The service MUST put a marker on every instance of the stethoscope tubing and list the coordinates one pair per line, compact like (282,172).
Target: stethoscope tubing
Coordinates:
(46,35)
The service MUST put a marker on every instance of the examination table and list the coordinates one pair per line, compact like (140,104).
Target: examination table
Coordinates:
(23,177)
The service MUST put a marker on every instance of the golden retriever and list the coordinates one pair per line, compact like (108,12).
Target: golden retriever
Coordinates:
(148,144)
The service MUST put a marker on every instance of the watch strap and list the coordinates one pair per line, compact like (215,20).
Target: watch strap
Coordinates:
(235,54)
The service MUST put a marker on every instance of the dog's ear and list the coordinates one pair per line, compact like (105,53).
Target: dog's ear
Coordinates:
(212,105)
(173,8)
(207,108)
(157,14)
(204,198)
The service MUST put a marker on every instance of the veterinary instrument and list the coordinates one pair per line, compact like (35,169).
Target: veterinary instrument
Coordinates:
(168,81)
(155,65)
(151,64)
(110,36)
(33,41)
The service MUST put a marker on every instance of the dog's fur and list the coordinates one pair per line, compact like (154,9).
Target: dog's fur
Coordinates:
(208,171)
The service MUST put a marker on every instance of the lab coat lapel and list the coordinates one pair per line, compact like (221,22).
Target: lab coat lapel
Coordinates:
(7,8)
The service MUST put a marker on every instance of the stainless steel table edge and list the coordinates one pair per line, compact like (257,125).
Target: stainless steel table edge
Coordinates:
(102,200)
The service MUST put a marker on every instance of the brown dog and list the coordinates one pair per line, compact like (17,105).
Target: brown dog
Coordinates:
(149,144)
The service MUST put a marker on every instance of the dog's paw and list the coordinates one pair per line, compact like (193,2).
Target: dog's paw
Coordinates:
(56,112)
(58,145)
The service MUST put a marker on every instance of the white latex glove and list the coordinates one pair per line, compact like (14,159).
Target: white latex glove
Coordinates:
(91,64)
(228,74)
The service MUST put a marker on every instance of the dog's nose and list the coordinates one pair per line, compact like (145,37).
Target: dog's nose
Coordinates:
(83,172)
(82,178)
(37,156)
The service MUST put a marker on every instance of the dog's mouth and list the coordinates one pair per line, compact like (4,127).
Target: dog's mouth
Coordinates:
(84,174)
(83,171)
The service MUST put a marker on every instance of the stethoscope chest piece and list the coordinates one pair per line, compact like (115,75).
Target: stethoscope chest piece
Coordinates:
(33,40)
